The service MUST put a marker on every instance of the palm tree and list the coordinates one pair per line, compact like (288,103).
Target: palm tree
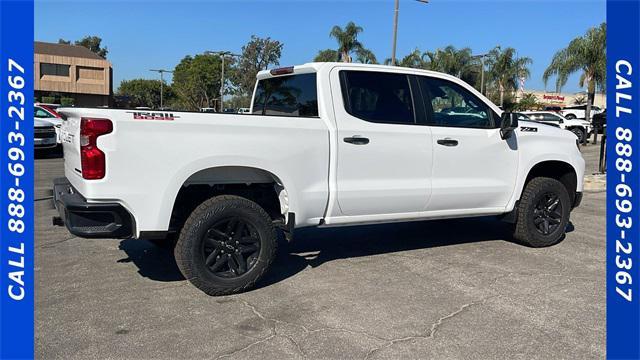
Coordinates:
(452,61)
(528,102)
(457,62)
(412,60)
(580,100)
(587,54)
(366,56)
(505,69)
(347,40)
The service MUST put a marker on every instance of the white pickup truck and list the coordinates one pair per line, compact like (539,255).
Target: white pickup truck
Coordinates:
(326,144)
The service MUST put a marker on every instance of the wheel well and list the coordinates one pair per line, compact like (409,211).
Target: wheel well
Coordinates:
(257,185)
(558,170)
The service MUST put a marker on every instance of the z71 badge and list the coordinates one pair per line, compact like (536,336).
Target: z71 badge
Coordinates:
(138,115)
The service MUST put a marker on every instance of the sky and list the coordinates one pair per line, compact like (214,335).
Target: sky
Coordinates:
(147,35)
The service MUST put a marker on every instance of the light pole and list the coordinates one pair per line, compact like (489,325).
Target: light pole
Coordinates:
(161,71)
(395,29)
(222,54)
(481,56)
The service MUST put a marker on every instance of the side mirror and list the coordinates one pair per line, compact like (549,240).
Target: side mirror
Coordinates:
(508,124)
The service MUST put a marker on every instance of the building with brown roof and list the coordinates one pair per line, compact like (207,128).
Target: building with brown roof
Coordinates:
(73,73)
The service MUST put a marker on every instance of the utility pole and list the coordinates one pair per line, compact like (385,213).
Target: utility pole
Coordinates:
(161,71)
(395,33)
(222,55)
(481,56)
(395,29)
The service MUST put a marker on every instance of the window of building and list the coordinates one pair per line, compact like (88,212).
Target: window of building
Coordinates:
(294,95)
(378,97)
(54,69)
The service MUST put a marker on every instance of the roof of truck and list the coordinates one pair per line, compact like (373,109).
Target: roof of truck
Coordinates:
(316,66)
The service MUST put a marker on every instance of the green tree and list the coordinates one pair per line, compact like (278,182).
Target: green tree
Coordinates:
(196,81)
(528,102)
(144,92)
(587,54)
(505,70)
(347,40)
(456,62)
(258,54)
(238,101)
(412,60)
(92,43)
(580,100)
(327,55)
(366,56)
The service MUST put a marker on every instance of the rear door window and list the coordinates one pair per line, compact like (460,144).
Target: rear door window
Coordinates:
(293,95)
(378,97)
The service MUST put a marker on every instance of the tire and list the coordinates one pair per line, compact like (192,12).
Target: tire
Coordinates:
(528,228)
(213,231)
(570,116)
(579,133)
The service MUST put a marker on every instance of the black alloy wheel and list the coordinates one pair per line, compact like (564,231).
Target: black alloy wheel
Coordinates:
(547,214)
(231,247)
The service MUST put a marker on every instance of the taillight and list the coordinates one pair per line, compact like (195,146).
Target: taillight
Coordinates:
(92,158)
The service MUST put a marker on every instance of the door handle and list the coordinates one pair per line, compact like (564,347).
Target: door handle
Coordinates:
(448,142)
(356,140)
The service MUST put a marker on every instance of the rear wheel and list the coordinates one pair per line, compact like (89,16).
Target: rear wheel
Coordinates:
(226,245)
(570,116)
(543,213)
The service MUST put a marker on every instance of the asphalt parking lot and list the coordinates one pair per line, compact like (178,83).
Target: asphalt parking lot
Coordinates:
(440,289)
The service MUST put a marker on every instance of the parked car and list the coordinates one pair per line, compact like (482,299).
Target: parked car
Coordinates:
(555,109)
(580,128)
(524,117)
(380,145)
(44,112)
(230,111)
(208,110)
(579,111)
(600,122)
(244,111)
(44,134)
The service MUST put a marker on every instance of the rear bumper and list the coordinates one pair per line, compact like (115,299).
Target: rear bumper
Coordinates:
(90,220)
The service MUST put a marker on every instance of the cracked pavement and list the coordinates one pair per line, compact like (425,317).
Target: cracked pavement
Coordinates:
(443,289)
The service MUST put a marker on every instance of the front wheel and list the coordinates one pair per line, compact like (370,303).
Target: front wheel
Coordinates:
(581,134)
(543,213)
(226,245)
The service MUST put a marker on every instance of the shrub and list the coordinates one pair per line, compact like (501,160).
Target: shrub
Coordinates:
(67,101)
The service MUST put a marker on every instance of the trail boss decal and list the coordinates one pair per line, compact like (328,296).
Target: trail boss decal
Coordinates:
(139,115)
